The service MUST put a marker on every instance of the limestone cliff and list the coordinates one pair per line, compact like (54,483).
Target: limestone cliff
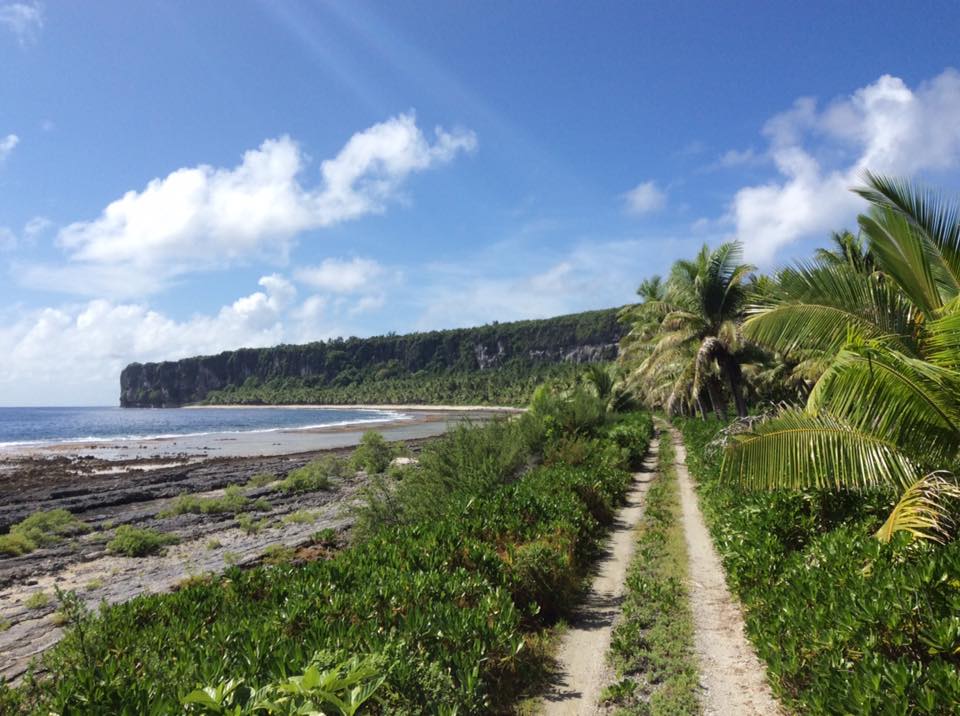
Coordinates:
(578,338)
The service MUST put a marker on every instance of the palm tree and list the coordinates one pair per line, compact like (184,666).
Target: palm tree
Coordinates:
(885,413)
(847,249)
(697,347)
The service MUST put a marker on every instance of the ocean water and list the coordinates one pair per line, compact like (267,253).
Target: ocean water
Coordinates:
(46,426)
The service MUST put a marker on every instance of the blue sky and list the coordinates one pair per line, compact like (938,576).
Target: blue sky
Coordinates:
(180,178)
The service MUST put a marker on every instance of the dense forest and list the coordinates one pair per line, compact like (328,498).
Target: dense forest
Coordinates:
(495,363)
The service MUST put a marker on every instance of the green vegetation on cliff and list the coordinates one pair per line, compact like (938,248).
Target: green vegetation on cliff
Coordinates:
(496,363)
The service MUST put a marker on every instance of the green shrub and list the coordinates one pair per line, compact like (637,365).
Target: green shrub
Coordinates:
(373,454)
(313,476)
(261,479)
(249,525)
(232,501)
(277,554)
(136,542)
(40,529)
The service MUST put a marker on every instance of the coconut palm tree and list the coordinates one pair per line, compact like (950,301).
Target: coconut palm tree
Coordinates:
(885,413)
(697,347)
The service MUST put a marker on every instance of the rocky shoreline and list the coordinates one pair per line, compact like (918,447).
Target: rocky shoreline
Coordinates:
(105,495)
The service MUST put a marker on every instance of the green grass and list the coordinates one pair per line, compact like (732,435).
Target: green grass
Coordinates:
(37,600)
(261,479)
(652,645)
(93,584)
(231,502)
(250,525)
(40,529)
(300,517)
(136,542)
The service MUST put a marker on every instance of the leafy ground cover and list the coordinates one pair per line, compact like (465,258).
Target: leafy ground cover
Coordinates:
(845,623)
(445,597)
(652,645)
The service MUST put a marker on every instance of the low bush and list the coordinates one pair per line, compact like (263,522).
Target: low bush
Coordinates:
(631,434)
(249,525)
(373,454)
(314,476)
(232,501)
(40,529)
(136,542)
(845,623)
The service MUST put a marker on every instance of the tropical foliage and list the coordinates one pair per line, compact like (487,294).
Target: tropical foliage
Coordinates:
(856,355)
(846,624)
(885,410)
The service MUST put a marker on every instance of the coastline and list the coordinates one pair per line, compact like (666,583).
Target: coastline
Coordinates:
(415,407)
(411,424)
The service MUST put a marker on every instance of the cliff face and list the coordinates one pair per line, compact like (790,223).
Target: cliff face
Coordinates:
(578,338)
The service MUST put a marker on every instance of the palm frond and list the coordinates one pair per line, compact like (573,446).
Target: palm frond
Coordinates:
(820,307)
(936,215)
(943,337)
(924,510)
(909,402)
(903,252)
(796,450)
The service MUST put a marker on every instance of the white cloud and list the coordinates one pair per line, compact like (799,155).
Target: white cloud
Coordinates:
(819,154)
(7,145)
(645,198)
(23,19)
(8,240)
(204,217)
(102,336)
(592,274)
(31,230)
(341,276)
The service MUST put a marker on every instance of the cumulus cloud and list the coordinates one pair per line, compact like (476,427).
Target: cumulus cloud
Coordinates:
(820,153)
(645,198)
(101,336)
(7,145)
(205,217)
(593,274)
(23,19)
(341,276)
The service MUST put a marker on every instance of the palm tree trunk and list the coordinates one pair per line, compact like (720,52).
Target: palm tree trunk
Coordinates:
(735,379)
(701,407)
(719,407)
